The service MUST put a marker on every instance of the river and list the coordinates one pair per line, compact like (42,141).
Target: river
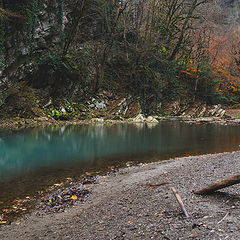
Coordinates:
(33,159)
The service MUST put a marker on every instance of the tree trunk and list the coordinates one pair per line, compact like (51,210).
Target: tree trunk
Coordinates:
(219,185)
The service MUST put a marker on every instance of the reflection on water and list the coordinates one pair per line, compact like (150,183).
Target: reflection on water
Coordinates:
(40,154)
(33,149)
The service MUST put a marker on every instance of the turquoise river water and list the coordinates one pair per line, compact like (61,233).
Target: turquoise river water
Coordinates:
(33,159)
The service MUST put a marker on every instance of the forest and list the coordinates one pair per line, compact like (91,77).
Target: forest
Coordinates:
(65,52)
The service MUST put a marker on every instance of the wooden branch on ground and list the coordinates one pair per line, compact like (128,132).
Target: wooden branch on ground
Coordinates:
(219,185)
(180,202)
(158,184)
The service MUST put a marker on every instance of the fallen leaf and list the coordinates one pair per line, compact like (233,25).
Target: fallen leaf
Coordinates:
(3,222)
(74,197)
(159,213)
(130,222)
(6,210)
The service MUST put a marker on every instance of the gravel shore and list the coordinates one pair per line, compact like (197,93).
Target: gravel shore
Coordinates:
(128,204)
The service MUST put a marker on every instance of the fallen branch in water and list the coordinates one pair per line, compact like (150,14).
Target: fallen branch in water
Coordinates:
(219,185)
(179,199)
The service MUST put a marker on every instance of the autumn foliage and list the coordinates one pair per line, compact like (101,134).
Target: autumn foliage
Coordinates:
(225,54)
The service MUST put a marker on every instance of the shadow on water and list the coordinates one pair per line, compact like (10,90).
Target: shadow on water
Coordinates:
(33,159)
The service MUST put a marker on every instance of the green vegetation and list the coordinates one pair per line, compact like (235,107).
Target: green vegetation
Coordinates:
(153,50)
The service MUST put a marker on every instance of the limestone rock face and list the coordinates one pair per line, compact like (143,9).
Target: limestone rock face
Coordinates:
(172,108)
(32,37)
(202,110)
(126,106)
(98,104)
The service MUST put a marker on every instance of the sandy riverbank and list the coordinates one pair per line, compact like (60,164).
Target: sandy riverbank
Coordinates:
(123,206)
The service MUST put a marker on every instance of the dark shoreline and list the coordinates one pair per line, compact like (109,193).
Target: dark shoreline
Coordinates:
(20,123)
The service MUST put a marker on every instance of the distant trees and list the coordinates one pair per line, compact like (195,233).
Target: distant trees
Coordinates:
(224,47)
(155,49)
(152,41)
(143,46)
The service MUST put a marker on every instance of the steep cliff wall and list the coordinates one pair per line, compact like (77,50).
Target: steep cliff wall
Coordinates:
(37,31)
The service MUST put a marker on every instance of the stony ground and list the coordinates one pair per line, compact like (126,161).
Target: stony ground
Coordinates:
(130,205)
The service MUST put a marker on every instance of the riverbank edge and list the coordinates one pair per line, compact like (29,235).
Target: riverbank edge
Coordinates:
(127,194)
(19,123)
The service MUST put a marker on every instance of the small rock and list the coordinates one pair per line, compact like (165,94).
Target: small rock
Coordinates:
(151,119)
(63,110)
(98,120)
(139,118)
(100,105)
(221,112)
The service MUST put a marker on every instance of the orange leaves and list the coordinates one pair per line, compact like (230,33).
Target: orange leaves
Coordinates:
(191,70)
(7,210)
(223,63)
(74,197)
(234,89)
(188,73)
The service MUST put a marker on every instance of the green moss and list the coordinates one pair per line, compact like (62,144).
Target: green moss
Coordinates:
(64,112)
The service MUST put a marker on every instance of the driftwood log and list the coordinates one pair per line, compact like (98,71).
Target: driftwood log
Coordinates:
(219,185)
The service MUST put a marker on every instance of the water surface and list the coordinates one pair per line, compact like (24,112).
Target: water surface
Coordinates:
(32,159)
